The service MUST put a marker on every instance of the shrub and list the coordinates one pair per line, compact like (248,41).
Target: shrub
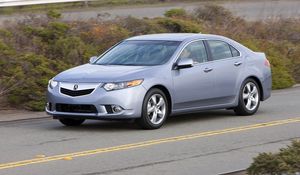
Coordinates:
(48,33)
(53,14)
(213,13)
(72,50)
(5,50)
(293,55)
(31,72)
(285,30)
(179,25)
(141,26)
(177,12)
(287,161)
(7,76)
(103,36)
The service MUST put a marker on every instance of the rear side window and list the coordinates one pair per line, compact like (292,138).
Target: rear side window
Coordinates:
(196,51)
(221,50)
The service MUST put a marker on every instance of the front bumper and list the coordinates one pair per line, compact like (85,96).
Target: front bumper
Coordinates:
(130,99)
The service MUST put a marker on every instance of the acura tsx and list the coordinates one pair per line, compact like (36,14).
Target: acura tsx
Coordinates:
(150,77)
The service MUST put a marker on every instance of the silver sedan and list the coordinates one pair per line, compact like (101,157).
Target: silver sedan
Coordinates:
(150,77)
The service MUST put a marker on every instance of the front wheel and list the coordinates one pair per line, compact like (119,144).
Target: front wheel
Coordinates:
(154,110)
(71,122)
(249,98)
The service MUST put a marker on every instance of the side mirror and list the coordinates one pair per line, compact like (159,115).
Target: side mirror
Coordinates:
(93,59)
(184,63)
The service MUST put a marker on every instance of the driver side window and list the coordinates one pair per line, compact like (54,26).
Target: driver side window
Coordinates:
(195,51)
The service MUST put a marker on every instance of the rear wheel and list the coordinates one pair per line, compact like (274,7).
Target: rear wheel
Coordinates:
(71,122)
(154,111)
(249,98)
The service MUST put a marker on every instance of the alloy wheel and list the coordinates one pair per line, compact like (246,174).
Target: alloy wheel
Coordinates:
(156,109)
(250,96)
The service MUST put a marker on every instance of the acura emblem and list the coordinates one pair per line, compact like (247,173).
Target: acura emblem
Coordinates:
(75,87)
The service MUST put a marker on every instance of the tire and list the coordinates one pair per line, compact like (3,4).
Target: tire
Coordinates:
(249,98)
(71,122)
(154,111)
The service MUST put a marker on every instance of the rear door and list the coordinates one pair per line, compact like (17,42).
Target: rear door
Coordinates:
(228,64)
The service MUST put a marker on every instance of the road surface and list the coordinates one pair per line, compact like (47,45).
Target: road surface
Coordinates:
(207,143)
(251,10)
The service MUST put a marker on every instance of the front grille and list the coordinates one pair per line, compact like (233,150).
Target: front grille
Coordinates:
(76,93)
(76,108)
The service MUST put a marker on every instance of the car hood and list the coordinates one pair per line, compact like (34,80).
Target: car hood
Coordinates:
(91,73)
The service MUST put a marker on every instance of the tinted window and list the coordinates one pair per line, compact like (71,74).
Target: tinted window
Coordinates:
(140,53)
(196,51)
(219,49)
(235,53)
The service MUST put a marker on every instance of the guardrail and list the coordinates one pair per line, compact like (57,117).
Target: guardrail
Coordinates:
(10,3)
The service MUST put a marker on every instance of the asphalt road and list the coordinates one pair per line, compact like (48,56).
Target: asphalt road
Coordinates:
(250,10)
(206,143)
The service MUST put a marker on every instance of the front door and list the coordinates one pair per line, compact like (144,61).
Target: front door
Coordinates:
(193,87)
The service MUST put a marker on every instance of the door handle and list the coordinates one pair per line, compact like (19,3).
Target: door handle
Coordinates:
(237,63)
(207,69)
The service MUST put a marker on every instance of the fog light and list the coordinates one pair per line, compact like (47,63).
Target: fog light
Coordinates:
(116,109)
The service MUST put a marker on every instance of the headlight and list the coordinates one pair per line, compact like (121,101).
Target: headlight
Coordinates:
(52,83)
(121,85)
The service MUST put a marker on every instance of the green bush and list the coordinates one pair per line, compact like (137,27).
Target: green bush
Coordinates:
(287,161)
(141,26)
(52,31)
(53,14)
(293,55)
(72,50)
(179,25)
(8,74)
(35,72)
(213,13)
(177,12)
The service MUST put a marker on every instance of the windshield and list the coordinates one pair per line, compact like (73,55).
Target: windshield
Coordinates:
(139,53)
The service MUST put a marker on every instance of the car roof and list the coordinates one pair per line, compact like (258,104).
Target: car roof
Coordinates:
(187,37)
(174,36)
